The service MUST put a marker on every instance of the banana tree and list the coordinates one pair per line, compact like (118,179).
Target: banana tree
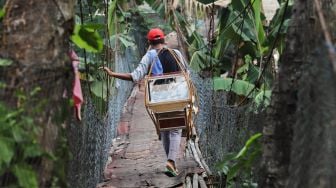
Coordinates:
(242,31)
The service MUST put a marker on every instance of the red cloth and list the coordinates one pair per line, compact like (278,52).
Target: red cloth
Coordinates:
(77,89)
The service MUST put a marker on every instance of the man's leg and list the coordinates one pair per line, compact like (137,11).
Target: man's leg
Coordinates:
(174,144)
(174,139)
(165,141)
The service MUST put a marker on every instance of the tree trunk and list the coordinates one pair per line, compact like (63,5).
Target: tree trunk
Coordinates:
(35,36)
(299,141)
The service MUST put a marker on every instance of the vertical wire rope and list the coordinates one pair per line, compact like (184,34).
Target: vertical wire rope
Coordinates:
(84,51)
(211,35)
(106,56)
(210,42)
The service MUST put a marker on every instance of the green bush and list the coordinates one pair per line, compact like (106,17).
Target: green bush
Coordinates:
(19,144)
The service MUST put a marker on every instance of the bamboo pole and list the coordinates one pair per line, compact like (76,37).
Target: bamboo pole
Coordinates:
(195,181)
(188,182)
(201,182)
(187,153)
(206,167)
(193,149)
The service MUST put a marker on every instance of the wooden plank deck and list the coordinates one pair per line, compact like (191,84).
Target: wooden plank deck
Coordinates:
(138,159)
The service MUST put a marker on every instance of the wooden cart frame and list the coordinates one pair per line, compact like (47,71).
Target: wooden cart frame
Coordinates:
(174,114)
(169,115)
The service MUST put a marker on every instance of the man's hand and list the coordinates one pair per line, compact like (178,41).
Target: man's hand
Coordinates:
(107,70)
(123,76)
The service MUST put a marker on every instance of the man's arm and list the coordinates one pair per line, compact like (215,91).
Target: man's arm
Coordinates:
(123,76)
(136,75)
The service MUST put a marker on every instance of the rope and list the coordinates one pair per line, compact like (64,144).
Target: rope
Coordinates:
(107,54)
(211,41)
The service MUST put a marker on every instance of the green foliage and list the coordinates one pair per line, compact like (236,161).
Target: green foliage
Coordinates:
(126,41)
(26,175)
(202,61)
(196,62)
(284,12)
(7,152)
(2,85)
(261,97)
(248,72)
(123,39)
(153,17)
(99,89)
(241,24)
(259,28)
(86,37)
(237,167)
(242,31)
(240,87)
(2,13)
(96,31)
(117,18)
(5,62)
(61,158)
(2,9)
(106,31)
(18,142)
(112,16)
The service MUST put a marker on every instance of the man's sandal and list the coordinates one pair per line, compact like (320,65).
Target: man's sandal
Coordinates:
(171,171)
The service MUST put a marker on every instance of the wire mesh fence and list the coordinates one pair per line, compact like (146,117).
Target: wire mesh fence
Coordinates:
(222,128)
(90,141)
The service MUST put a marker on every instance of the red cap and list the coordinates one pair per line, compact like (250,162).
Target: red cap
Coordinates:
(155,34)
